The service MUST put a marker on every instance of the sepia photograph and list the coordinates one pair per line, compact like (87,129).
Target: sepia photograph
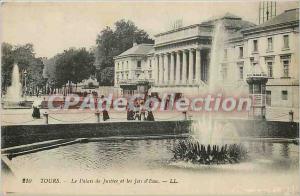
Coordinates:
(149,98)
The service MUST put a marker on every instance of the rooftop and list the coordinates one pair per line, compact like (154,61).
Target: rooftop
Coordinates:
(286,17)
(140,49)
(231,21)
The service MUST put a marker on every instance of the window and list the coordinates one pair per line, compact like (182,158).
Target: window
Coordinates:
(270,44)
(225,54)
(286,68)
(150,63)
(253,62)
(284,95)
(286,41)
(126,76)
(241,52)
(150,74)
(224,72)
(122,65)
(126,64)
(118,66)
(268,98)
(241,72)
(256,89)
(270,69)
(118,77)
(139,64)
(255,45)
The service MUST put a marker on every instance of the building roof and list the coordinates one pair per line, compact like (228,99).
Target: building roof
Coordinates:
(284,18)
(140,49)
(224,16)
(151,51)
(230,21)
(234,36)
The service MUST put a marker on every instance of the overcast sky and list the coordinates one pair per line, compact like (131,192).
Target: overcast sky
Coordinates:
(53,27)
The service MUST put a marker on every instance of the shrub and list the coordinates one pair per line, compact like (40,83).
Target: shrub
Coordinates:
(193,151)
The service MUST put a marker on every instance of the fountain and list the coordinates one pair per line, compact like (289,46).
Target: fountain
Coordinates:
(13,97)
(212,142)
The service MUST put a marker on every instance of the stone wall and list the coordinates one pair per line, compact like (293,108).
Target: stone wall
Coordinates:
(16,135)
(266,129)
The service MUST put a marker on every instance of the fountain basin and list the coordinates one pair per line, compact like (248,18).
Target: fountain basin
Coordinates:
(271,165)
(16,105)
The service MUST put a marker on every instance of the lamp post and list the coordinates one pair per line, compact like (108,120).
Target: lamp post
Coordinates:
(25,77)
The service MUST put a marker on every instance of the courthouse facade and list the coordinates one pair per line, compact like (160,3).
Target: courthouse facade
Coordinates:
(179,60)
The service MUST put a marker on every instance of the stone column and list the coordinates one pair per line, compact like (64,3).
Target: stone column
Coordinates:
(191,66)
(161,72)
(177,67)
(172,70)
(198,66)
(166,70)
(156,70)
(184,67)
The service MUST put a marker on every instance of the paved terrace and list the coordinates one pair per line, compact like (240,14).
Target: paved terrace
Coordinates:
(23,116)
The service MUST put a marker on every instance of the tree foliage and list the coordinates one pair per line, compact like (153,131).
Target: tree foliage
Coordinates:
(24,56)
(111,43)
(73,65)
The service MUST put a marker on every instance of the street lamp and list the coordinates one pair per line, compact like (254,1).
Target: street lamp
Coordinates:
(25,76)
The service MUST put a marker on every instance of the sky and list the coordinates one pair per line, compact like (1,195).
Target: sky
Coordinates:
(55,26)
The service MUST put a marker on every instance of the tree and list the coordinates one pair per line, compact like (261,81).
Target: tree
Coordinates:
(107,76)
(49,68)
(7,60)
(24,56)
(112,43)
(73,65)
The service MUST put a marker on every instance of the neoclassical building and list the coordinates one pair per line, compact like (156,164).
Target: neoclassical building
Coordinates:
(179,60)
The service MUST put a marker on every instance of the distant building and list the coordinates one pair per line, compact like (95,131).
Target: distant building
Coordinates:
(179,60)
(134,69)
(274,45)
(87,85)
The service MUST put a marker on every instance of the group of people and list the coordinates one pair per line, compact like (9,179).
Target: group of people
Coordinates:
(140,115)
(139,112)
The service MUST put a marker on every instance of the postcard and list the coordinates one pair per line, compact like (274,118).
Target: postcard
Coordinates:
(150,98)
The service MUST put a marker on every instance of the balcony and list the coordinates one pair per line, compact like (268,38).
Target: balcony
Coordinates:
(257,75)
(136,81)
